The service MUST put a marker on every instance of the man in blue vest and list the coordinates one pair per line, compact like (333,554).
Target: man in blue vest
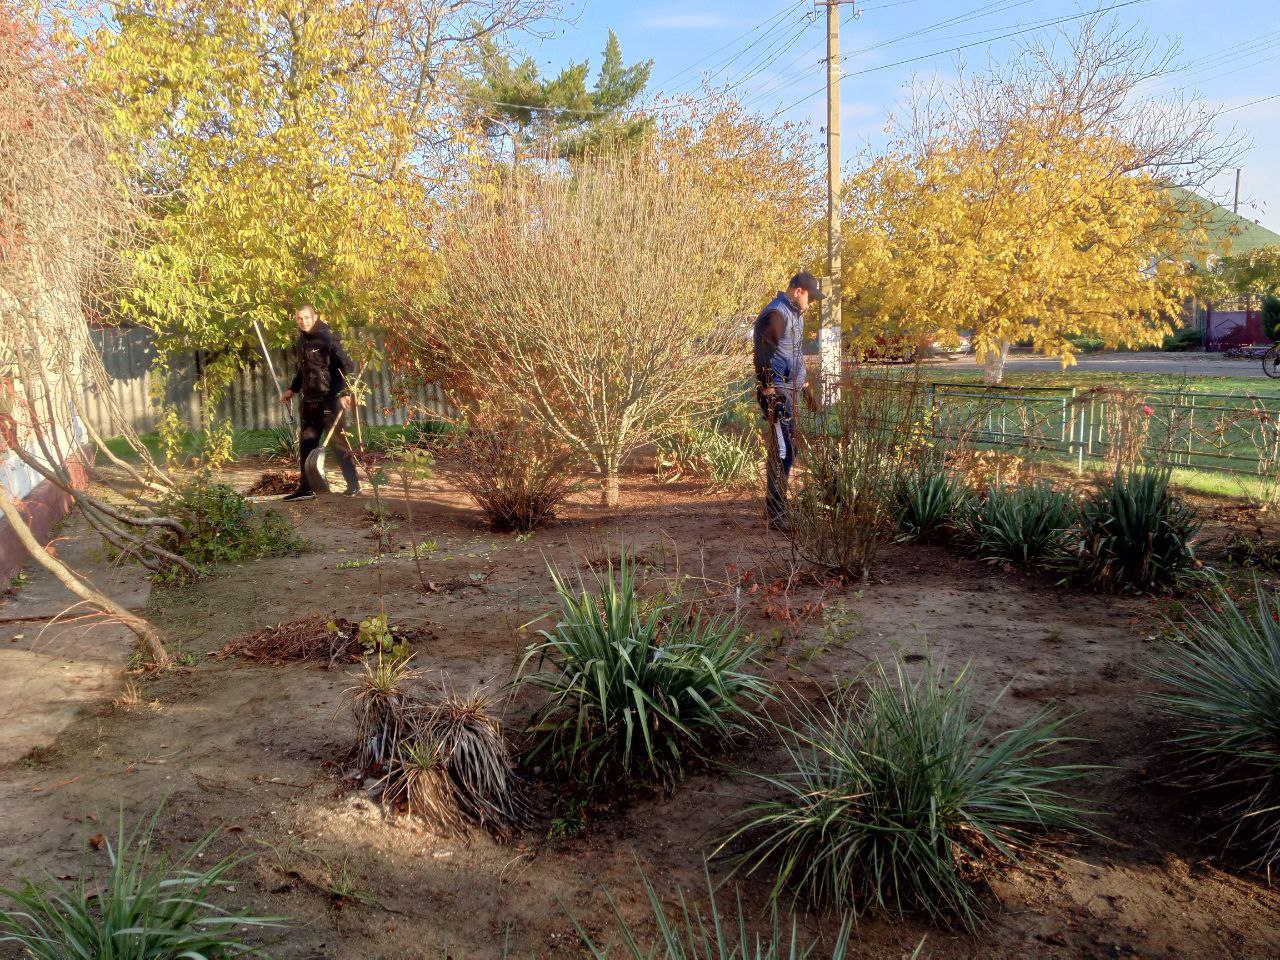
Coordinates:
(780,382)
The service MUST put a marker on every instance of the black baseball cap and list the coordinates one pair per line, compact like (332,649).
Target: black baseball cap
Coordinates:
(807,281)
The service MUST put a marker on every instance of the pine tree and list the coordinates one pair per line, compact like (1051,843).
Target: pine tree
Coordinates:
(559,115)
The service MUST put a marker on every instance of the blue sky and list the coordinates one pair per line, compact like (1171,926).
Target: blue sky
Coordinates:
(1229,54)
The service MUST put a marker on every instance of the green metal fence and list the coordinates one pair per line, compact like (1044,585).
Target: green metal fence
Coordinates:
(1210,431)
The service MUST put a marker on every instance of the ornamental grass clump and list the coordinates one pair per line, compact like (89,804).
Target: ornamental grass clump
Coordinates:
(690,934)
(443,760)
(727,459)
(1221,674)
(1135,534)
(927,501)
(904,801)
(384,711)
(636,691)
(140,910)
(1026,525)
(459,733)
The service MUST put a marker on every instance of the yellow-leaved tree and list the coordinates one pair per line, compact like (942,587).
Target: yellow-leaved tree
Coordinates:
(760,176)
(290,149)
(1032,204)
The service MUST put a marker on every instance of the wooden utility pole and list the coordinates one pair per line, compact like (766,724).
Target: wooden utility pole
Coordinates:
(829,337)
(1235,207)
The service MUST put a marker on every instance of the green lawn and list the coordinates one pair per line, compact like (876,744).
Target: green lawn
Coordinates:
(1088,379)
(248,443)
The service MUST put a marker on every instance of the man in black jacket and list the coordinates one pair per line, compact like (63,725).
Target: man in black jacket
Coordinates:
(321,380)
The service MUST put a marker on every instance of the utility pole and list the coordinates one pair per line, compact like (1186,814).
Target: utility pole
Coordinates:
(1235,207)
(829,337)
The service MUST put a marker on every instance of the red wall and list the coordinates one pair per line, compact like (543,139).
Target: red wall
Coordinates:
(1235,328)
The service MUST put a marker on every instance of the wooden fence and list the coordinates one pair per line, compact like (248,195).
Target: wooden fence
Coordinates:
(251,401)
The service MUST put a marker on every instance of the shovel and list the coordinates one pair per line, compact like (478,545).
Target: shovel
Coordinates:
(272,367)
(314,467)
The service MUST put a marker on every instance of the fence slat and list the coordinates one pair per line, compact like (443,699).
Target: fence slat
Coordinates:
(251,401)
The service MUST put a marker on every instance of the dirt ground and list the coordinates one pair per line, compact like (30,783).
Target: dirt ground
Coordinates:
(251,749)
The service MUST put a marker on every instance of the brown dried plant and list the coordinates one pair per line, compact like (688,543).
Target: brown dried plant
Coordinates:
(595,306)
(854,452)
(517,476)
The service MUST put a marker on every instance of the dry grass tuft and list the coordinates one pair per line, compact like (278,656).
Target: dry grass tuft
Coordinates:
(130,697)
(444,761)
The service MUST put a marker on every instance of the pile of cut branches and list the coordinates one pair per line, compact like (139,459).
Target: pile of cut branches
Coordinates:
(273,483)
(322,639)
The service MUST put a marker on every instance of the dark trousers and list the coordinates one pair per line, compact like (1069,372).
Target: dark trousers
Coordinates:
(780,442)
(317,418)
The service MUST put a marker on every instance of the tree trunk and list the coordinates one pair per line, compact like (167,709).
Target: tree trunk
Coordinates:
(609,490)
(147,635)
(993,363)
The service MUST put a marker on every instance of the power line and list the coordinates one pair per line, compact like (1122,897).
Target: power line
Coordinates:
(976,14)
(778,17)
(965,46)
(798,76)
(1217,59)
(1252,103)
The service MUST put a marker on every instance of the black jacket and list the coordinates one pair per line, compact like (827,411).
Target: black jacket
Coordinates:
(323,365)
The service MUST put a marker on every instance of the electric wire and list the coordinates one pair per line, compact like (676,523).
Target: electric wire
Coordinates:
(776,17)
(804,73)
(1251,103)
(964,46)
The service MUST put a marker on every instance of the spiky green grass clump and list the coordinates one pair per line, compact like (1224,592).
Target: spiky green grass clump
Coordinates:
(690,934)
(1222,678)
(1026,525)
(902,801)
(636,690)
(140,910)
(927,501)
(1135,534)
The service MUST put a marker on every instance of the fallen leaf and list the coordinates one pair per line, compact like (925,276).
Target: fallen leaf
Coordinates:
(98,841)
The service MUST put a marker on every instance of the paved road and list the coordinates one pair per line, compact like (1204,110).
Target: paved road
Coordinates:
(1155,361)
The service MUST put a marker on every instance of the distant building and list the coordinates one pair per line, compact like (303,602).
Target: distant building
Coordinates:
(1236,321)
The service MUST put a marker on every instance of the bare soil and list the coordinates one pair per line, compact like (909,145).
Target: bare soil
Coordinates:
(251,749)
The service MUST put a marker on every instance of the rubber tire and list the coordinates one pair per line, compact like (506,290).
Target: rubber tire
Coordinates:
(1271,363)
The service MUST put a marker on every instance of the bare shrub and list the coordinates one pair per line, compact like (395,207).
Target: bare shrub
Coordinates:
(64,217)
(593,306)
(854,452)
(516,475)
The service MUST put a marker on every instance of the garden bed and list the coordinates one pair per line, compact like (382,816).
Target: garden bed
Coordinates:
(252,748)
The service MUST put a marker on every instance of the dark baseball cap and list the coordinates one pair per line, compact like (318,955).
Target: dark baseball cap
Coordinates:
(807,281)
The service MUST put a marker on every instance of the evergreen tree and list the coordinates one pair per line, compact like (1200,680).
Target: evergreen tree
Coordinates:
(559,115)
